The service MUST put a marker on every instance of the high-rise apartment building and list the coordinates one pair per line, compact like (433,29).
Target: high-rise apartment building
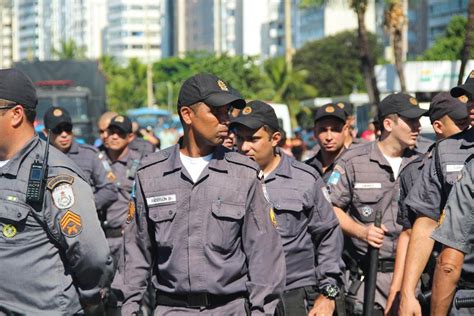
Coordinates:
(135,29)
(440,13)
(6,34)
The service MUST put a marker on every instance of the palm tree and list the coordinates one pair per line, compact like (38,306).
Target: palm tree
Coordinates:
(466,48)
(287,85)
(69,50)
(395,21)
(366,58)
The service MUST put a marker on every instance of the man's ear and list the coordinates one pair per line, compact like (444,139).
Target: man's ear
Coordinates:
(186,113)
(438,127)
(275,139)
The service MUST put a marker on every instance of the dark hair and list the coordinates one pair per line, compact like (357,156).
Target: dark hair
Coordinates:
(30,114)
(392,116)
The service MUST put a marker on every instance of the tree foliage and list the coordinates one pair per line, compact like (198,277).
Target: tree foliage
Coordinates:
(333,63)
(69,50)
(449,46)
(126,87)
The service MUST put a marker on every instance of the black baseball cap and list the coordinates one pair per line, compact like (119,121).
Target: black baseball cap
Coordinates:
(444,104)
(465,89)
(330,110)
(402,104)
(347,107)
(210,90)
(256,114)
(121,122)
(56,116)
(17,87)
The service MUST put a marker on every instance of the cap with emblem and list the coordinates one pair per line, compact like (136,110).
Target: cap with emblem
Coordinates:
(17,87)
(256,114)
(347,107)
(444,104)
(465,89)
(56,116)
(210,90)
(402,104)
(121,122)
(330,110)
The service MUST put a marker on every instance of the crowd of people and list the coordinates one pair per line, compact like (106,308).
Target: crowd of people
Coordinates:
(230,221)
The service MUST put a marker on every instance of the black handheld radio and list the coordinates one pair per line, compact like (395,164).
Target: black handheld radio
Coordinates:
(37,179)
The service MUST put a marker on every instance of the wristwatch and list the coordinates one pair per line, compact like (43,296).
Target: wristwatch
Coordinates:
(330,291)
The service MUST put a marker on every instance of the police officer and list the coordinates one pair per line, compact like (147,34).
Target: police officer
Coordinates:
(428,197)
(102,124)
(58,122)
(330,130)
(350,138)
(122,165)
(448,116)
(55,259)
(200,222)
(302,214)
(365,180)
(456,233)
(140,144)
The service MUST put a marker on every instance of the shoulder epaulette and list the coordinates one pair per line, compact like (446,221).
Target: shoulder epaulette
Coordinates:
(306,168)
(356,151)
(89,147)
(154,158)
(242,160)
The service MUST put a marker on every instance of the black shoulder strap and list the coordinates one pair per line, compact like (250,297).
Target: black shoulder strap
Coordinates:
(439,174)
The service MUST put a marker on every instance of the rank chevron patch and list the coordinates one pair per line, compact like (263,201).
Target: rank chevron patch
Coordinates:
(71,224)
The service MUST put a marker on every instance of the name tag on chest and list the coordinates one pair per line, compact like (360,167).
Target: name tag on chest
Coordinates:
(454,168)
(162,199)
(367,185)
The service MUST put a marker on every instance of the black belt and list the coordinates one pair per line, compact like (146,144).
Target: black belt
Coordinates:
(113,232)
(196,300)
(386,265)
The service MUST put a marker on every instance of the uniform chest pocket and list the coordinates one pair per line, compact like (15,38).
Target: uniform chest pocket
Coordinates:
(366,202)
(163,217)
(16,226)
(290,217)
(224,226)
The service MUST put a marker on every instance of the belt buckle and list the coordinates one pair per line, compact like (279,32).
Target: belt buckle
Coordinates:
(198,300)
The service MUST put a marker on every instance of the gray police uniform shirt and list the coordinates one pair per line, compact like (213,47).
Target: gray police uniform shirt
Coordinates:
(124,170)
(363,182)
(87,158)
(429,193)
(212,236)
(39,276)
(456,230)
(406,217)
(142,146)
(317,164)
(307,225)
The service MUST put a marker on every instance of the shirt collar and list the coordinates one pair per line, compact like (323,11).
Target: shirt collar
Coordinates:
(15,162)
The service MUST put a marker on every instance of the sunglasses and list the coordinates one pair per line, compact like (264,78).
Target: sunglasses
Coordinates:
(63,128)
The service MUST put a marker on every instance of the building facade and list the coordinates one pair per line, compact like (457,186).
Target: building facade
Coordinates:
(134,30)
(6,34)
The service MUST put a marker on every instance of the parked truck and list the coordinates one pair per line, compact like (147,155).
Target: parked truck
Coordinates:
(77,86)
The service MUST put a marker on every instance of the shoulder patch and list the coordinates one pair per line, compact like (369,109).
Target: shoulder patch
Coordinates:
(131,211)
(62,178)
(71,224)
(306,168)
